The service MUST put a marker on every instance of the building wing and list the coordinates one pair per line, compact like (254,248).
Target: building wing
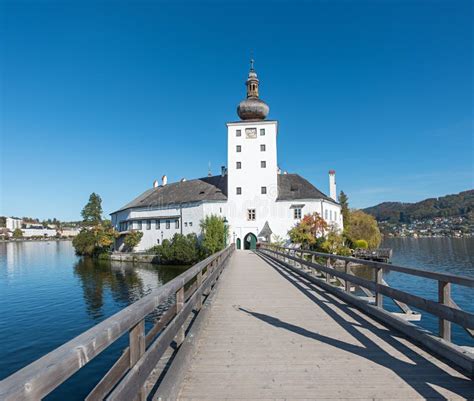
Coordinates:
(202,189)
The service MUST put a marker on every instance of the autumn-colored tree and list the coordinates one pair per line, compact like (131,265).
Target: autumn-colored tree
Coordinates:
(363,226)
(132,239)
(308,230)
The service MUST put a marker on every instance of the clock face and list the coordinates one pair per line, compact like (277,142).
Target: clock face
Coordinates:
(251,133)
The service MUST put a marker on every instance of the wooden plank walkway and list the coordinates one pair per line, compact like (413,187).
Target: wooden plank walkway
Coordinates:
(272,336)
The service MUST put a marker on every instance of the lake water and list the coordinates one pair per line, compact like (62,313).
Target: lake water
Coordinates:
(48,296)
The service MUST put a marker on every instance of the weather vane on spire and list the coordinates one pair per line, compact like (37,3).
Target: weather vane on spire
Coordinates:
(252,61)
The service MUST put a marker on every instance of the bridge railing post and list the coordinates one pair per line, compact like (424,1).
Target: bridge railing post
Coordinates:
(179,307)
(347,283)
(137,349)
(444,298)
(198,284)
(379,280)
(328,265)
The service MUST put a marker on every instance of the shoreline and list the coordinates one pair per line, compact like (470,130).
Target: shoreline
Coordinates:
(35,240)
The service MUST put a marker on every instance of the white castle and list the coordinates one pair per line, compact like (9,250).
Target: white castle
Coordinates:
(256,198)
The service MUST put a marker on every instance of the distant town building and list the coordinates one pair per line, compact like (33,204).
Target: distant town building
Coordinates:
(258,199)
(13,223)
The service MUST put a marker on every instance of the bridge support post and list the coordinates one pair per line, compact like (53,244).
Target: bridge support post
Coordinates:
(137,349)
(378,295)
(179,306)
(444,297)
(347,284)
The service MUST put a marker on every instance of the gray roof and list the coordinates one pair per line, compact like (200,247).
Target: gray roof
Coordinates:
(266,230)
(202,189)
(290,187)
(294,187)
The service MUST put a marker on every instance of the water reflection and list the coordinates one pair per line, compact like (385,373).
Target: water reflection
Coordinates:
(125,282)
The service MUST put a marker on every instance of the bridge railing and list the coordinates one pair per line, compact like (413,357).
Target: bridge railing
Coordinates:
(312,263)
(127,377)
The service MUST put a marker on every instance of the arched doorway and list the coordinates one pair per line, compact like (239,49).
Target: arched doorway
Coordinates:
(250,241)
(238,243)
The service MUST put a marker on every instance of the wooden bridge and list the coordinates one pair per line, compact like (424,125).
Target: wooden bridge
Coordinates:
(274,324)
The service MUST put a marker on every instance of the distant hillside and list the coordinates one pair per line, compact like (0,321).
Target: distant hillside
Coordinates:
(461,204)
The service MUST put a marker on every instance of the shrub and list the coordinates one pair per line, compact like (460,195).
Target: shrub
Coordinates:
(361,244)
(132,240)
(182,250)
(334,243)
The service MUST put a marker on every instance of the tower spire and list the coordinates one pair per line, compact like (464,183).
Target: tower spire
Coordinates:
(252,108)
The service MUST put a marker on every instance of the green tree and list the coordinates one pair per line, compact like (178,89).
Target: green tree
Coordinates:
(214,234)
(132,239)
(17,233)
(97,236)
(344,201)
(363,227)
(92,211)
(308,231)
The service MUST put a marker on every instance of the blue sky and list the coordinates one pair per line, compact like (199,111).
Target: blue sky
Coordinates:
(108,96)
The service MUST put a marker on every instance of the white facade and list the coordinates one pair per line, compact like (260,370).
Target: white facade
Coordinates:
(12,224)
(257,194)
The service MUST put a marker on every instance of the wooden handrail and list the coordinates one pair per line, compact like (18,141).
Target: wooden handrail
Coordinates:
(445,309)
(41,377)
(448,278)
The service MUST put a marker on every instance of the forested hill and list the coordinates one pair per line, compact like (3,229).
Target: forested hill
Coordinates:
(461,204)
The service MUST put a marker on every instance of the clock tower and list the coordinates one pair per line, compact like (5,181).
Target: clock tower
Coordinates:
(252,186)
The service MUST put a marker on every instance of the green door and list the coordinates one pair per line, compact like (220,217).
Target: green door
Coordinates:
(238,243)
(250,241)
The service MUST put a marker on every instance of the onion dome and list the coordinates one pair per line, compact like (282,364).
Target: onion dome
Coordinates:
(252,108)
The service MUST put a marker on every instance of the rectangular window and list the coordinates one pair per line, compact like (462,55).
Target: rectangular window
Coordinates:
(190,224)
(168,224)
(238,132)
(326,214)
(139,224)
(262,148)
(238,148)
(176,224)
(264,190)
(330,215)
(262,131)
(297,213)
(185,223)
(251,214)
(239,191)
(148,224)
(157,224)
(238,165)
(263,164)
